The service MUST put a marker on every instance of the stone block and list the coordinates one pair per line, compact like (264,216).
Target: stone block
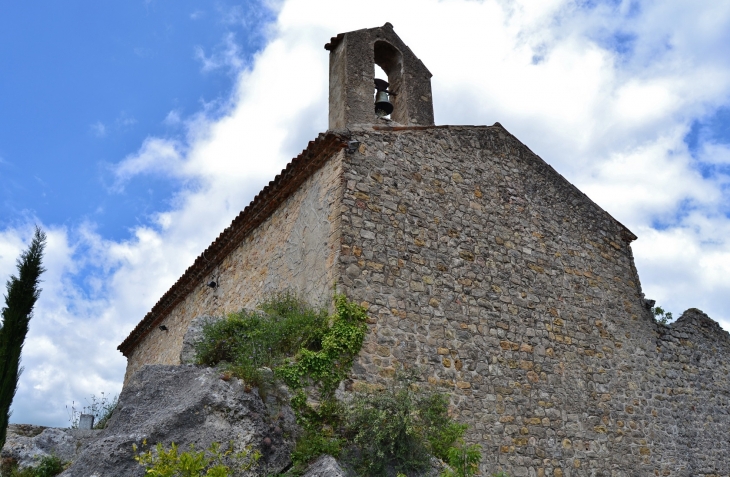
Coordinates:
(86,421)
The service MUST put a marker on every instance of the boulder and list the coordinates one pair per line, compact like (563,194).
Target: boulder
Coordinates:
(328,466)
(325,466)
(26,444)
(190,405)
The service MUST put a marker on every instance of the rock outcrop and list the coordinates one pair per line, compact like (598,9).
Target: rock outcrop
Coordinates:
(26,444)
(185,405)
(325,466)
(328,466)
(190,405)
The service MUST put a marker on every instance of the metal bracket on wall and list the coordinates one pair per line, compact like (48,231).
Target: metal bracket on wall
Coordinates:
(352,146)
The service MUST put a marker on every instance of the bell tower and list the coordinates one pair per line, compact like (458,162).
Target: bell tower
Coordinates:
(353,56)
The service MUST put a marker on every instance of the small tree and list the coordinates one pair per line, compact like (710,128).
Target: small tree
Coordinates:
(662,316)
(22,293)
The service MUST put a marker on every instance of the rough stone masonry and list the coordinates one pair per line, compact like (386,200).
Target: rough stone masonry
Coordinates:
(477,262)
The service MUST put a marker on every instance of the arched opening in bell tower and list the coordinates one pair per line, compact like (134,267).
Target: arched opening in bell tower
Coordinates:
(388,62)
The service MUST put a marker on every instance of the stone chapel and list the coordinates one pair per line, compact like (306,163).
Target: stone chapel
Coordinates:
(511,289)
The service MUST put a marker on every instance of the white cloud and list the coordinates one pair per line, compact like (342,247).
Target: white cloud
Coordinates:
(98,129)
(610,119)
(228,55)
(124,121)
(173,118)
(716,154)
(154,156)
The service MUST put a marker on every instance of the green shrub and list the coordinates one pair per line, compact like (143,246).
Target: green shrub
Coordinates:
(246,341)
(320,431)
(47,466)
(325,365)
(662,316)
(212,462)
(400,428)
(305,347)
(386,430)
(442,431)
(396,429)
(464,459)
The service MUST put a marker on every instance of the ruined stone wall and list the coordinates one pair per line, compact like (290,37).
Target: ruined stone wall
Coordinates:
(295,249)
(519,296)
(684,391)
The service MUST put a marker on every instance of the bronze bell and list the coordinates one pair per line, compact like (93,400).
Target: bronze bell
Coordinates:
(383,106)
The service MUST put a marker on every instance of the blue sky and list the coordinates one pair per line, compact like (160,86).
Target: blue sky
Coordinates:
(133,132)
(85,82)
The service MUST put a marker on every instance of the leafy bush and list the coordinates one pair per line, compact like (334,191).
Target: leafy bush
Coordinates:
(329,363)
(246,341)
(442,431)
(396,429)
(464,460)
(661,316)
(400,427)
(386,429)
(321,430)
(305,347)
(212,462)
(48,466)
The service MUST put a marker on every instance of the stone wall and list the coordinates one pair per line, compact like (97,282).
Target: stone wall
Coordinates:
(684,390)
(507,286)
(519,296)
(295,249)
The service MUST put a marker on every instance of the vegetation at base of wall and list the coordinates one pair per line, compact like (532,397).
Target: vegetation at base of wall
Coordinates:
(397,428)
(326,365)
(661,316)
(320,430)
(463,459)
(246,341)
(47,466)
(213,462)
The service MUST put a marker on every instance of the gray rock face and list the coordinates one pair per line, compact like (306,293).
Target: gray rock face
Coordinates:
(192,336)
(328,466)
(189,405)
(325,466)
(27,444)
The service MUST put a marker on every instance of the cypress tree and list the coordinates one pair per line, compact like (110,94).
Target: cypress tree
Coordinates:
(22,293)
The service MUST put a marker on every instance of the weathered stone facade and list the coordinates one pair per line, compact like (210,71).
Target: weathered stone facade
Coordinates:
(508,287)
(518,295)
(294,249)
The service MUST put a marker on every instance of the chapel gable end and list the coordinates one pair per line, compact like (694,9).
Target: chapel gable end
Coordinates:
(353,56)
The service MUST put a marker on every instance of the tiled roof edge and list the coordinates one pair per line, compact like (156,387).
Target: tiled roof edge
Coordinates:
(260,208)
